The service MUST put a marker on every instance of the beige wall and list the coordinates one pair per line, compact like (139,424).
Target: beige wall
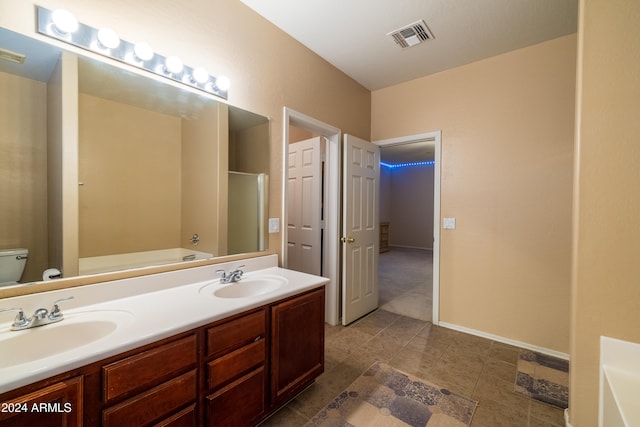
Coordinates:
(204,179)
(297,134)
(268,69)
(130,167)
(606,244)
(507,152)
(62,161)
(23,170)
(410,206)
(250,150)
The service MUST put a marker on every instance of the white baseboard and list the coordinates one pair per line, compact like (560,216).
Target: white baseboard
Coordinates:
(566,418)
(509,341)
(409,247)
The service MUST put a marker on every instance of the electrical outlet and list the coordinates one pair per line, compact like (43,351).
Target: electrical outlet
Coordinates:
(274,225)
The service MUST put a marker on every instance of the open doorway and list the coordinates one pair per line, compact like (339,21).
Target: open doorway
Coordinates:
(297,125)
(410,212)
(331,208)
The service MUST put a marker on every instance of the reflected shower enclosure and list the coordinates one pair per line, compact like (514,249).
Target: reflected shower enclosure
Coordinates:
(247,212)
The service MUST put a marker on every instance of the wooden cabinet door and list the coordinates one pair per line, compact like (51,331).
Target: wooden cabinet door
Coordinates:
(241,403)
(297,350)
(59,404)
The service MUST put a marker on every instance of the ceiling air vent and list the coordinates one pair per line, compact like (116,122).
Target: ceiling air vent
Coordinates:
(412,34)
(12,56)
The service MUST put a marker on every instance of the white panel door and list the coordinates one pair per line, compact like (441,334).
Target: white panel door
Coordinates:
(304,188)
(360,228)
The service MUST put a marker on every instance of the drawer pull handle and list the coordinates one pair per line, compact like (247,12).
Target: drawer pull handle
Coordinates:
(258,338)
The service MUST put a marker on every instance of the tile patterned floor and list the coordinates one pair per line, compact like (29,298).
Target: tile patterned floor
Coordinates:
(476,367)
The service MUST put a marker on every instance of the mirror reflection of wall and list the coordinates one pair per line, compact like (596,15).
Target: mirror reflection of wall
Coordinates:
(146,179)
(23,170)
(130,172)
(149,172)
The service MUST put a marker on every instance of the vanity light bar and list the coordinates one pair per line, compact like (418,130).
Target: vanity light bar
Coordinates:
(402,165)
(62,25)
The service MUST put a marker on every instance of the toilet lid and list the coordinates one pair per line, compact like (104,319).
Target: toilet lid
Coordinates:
(9,252)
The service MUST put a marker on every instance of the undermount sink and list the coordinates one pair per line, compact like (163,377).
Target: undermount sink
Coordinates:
(246,287)
(75,330)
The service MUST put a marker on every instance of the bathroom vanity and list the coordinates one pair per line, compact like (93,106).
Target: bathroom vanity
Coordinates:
(188,355)
(146,345)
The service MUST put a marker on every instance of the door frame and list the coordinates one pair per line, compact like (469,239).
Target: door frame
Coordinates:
(331,244)
(436,137)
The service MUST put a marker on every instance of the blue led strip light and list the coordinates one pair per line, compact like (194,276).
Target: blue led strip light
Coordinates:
(403,165)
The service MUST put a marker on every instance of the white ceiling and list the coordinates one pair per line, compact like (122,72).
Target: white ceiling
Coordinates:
(351,34)
(40,59)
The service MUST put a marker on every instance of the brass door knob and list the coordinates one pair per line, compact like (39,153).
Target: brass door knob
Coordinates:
(347,239)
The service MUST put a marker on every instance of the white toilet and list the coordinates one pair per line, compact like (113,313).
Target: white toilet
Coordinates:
(12,262)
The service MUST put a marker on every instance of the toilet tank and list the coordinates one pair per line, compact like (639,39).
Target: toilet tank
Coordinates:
(12,262)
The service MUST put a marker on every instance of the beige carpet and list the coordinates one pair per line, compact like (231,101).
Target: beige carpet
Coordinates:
(405,280)
(386,397)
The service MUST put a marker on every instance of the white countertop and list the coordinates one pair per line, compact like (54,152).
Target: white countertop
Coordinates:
(161,305)
(619,382)
(624,386)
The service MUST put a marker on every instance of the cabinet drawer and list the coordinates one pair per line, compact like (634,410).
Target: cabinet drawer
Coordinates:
(240,403)
(157,403)
(149,368)
(230,366)
(188,417)
(235,333)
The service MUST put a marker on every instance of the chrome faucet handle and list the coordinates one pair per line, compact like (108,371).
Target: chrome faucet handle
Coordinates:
(20,321)
(236,274)
(222,274)
(55,313)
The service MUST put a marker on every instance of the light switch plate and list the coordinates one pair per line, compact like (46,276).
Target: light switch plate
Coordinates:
(449,223)
(274,225)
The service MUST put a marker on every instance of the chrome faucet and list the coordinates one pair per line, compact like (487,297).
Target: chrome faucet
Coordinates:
(40,317)
(232,276)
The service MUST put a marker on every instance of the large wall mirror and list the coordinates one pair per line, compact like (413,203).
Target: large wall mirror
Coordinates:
(105,169)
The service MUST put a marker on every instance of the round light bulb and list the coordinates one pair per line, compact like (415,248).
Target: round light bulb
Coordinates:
(143,51)
(174,64)
(64,21)
(108,38)
(200,75)
(223,83)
